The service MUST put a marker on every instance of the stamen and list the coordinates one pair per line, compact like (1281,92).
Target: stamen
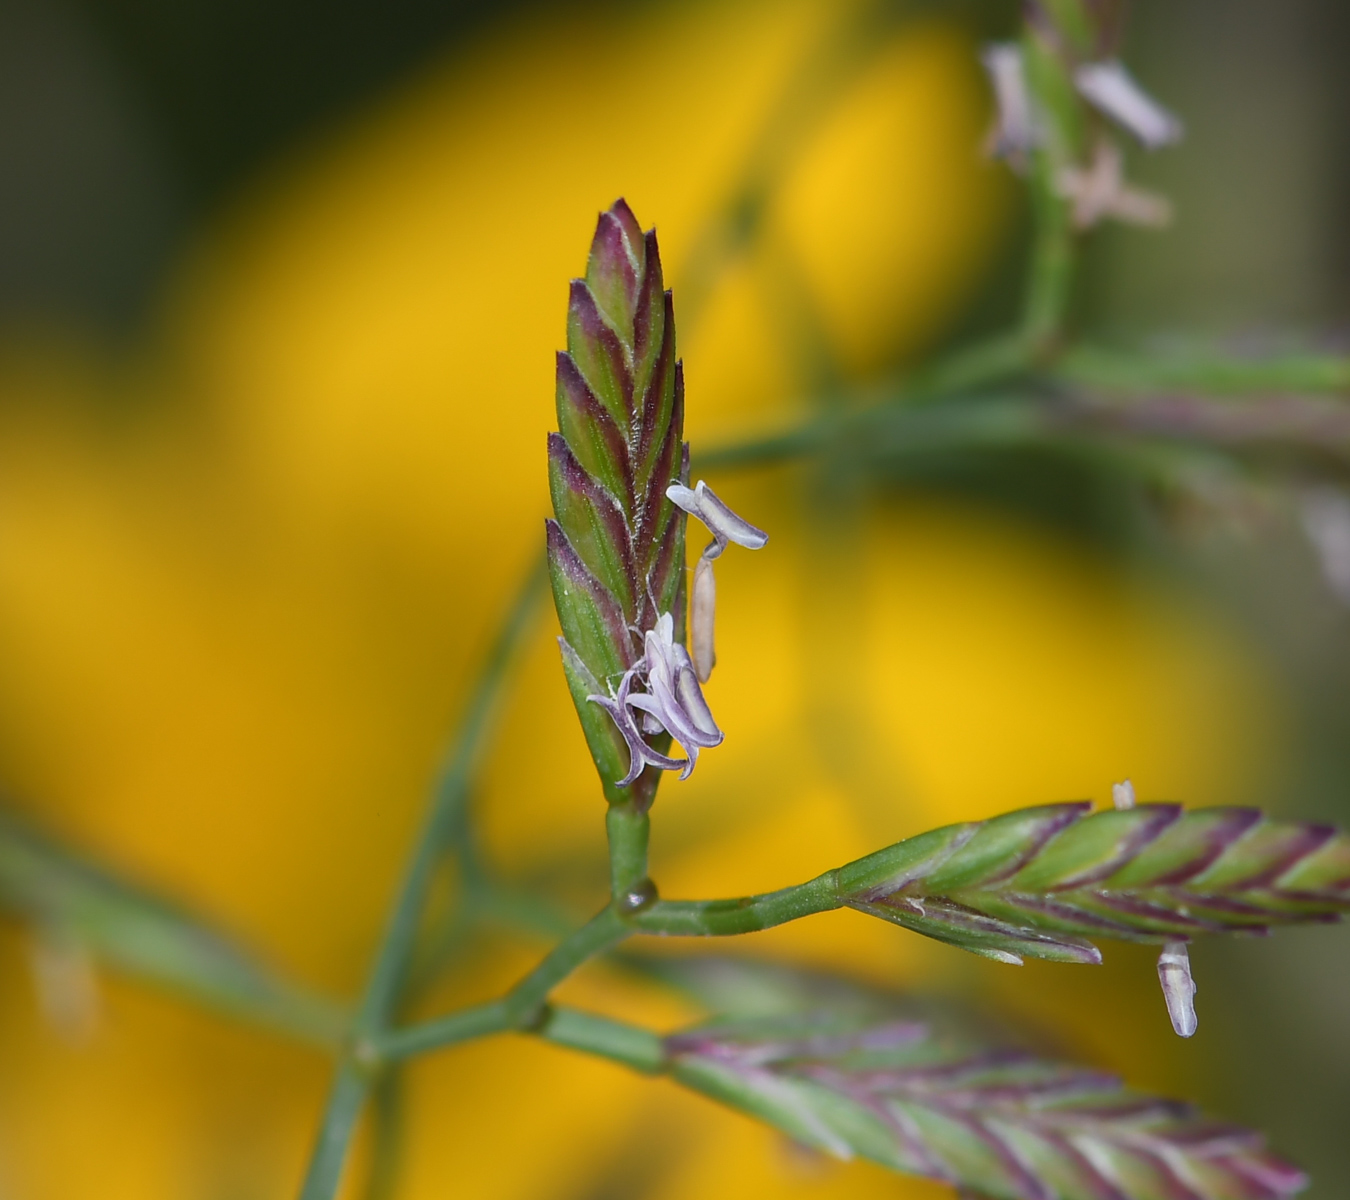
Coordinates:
(1122,794)
(1110,88)
(640,754)
(702,613)
(725,525)
(1174,973)
(1016,132)
(673,703)
(1099,191)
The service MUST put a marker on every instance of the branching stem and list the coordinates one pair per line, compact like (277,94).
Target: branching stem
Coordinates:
(524,1007)
(585,1032)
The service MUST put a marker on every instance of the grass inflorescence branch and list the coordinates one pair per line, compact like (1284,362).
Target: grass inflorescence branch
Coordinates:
(1046,882)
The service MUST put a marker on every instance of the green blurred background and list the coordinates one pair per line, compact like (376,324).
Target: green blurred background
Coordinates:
(242,587)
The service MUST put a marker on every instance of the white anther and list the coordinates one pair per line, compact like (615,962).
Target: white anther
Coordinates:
(1174,973)
(726,526)
(1110,88)
(1017,131)
(702,614)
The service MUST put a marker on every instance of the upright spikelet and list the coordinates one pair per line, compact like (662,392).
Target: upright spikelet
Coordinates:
(616,548)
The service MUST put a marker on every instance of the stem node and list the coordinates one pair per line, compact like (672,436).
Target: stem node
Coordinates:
(639,897)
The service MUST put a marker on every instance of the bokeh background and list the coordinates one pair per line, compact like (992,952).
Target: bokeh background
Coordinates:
(279,289)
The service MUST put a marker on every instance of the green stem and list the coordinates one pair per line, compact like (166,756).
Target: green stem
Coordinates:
(462,1026)
(64,895)
(628,829)
(1050,276)
(745,914)
(446,816)
(890,430)
(591,1034)
(994,360)
(523,1007)
(444,821)
(388,1102)
(526,1000)
(615,1040)
(526,1007)
(345,1101)
(1089,366)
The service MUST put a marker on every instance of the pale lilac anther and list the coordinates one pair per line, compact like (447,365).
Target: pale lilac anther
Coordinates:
(1111,89)
(640,754)
(673,702)
(702,614)
(674,697)
(726,527)
(1174,973)
(1017,132)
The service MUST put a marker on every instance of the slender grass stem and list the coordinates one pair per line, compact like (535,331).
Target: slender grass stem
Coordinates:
(463,1026)
(345,1101)
(607,928)
(994,360)
(628,830)
(1089,366)
(744,914)
(388,1105)
(444,822)
(523,1007)
(1050,278)
(585,1032)
(623,1043)
(1051,271)
(947,384)
(889,429)
(61,893)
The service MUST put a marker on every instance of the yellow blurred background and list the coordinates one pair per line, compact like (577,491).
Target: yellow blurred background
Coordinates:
(249,567)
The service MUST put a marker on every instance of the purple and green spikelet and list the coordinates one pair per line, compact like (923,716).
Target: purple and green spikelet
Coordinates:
(616,545)
(998,1124)
(1043,881)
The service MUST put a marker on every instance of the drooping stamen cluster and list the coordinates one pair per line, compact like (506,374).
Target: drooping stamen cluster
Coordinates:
(1091,176)
(616,548)
(726,527)
(673,704)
